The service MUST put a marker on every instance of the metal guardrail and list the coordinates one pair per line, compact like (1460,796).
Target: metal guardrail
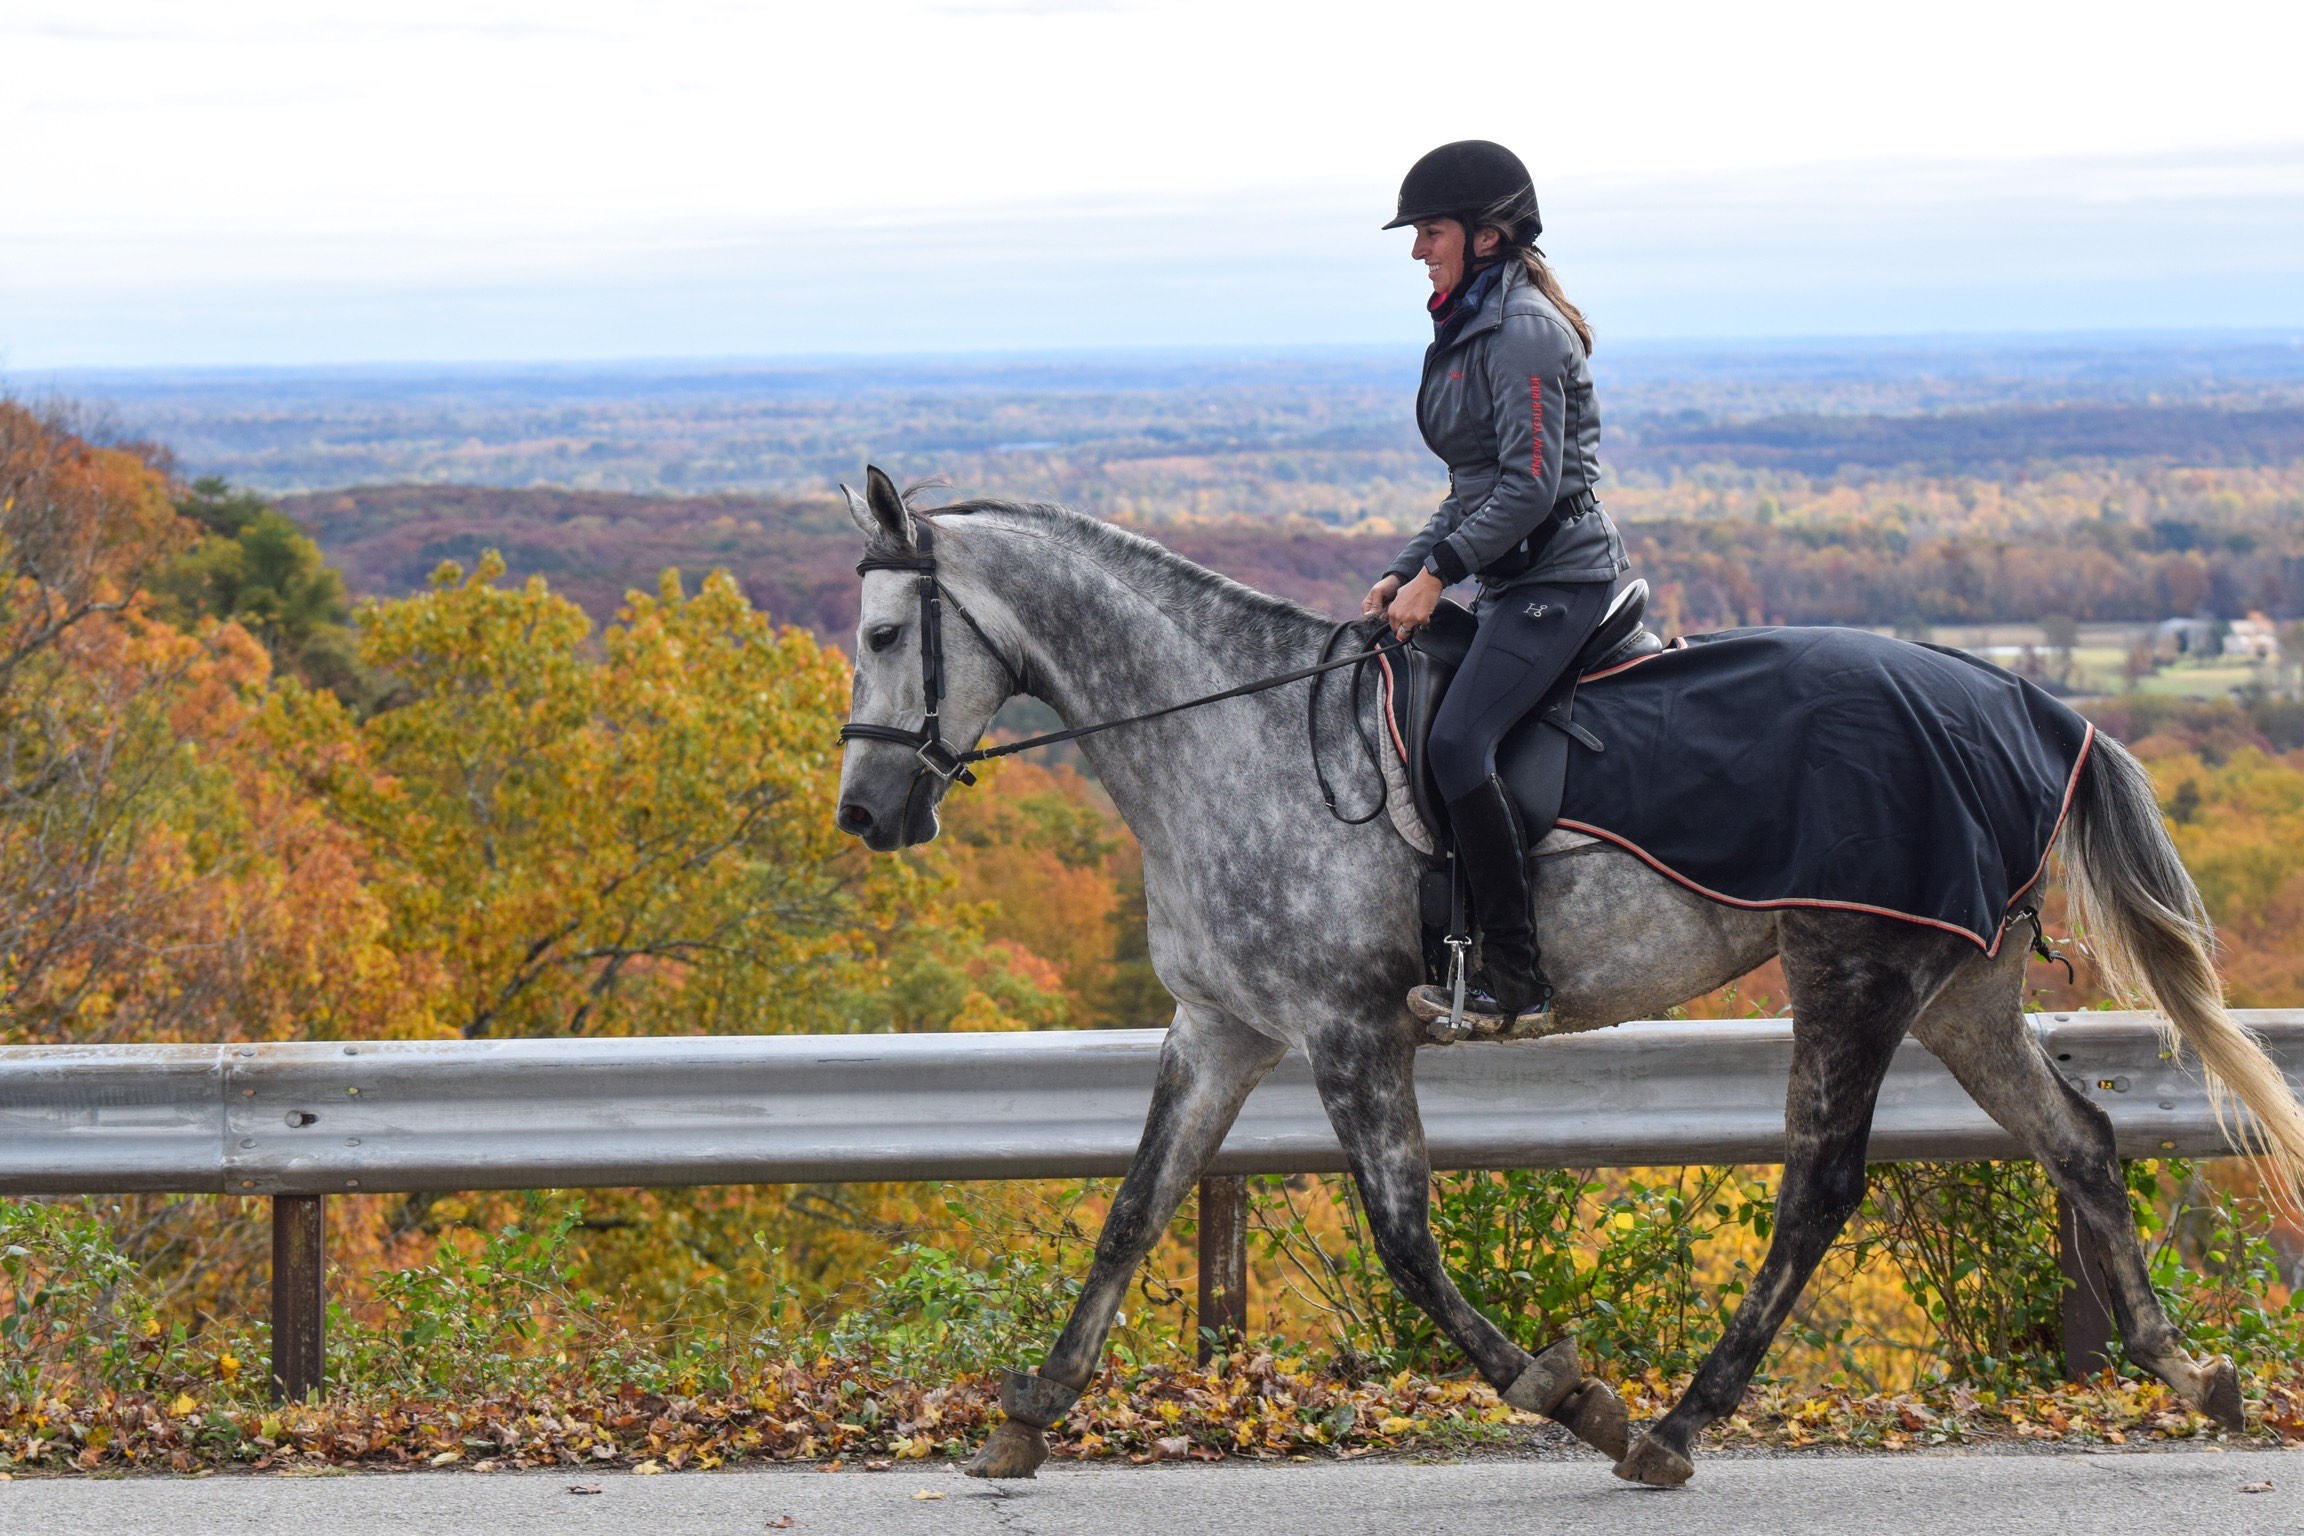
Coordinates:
(299,1121)
(310,1118)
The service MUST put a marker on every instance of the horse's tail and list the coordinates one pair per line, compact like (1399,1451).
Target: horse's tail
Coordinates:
(2143,923)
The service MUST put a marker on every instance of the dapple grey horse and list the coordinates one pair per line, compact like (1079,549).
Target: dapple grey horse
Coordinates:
(1276,926)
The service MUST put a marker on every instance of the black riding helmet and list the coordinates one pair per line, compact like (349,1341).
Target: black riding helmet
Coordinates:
(1476,182)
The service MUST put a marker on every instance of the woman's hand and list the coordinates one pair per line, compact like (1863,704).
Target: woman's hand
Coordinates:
(1412,609)
(1379,597)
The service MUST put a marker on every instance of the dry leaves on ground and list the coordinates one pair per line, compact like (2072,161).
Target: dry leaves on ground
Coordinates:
(838,1414)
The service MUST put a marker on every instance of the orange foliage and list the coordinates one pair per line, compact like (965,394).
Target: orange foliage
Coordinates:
(1048,860)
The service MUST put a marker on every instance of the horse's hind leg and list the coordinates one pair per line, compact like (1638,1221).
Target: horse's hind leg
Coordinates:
(1208,1064)
(1977,1029)
(1366,1077)
(1857,984)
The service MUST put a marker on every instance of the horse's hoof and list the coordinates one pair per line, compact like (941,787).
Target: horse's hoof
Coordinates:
(1655,1464)
(1594,1414)
(2220,1395)
(1548,1379)
(1014,1450)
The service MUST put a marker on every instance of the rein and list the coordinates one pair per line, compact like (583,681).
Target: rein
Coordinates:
(937,757)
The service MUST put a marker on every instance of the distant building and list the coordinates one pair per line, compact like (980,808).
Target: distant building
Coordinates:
(2255,637)
(2185,637)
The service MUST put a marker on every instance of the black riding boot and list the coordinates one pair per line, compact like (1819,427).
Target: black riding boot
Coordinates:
(1494,853)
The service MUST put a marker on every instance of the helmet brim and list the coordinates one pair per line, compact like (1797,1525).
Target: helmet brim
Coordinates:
(1421,214)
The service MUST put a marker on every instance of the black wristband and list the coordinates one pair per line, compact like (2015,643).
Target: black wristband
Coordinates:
(1447,564)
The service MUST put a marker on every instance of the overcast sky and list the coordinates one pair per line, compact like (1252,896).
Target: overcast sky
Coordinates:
(248,181)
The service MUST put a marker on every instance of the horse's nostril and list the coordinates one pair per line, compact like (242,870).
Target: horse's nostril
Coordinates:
(854,818)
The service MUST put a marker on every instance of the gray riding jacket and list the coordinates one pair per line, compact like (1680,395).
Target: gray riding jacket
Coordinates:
(1508,406)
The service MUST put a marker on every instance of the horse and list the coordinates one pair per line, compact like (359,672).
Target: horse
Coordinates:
(1277,925)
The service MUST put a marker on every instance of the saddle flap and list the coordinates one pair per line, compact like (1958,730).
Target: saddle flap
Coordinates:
(1421,672)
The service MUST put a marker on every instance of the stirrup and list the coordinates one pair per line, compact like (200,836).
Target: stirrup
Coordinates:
(1482,1018)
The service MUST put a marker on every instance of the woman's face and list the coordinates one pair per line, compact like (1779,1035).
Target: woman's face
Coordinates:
(1440,246)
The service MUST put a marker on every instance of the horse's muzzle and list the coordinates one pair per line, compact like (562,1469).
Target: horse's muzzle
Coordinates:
(914,823)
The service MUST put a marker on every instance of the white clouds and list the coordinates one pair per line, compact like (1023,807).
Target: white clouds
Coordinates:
(376,149)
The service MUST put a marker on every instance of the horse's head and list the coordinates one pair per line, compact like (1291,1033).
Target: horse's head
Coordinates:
(927,681)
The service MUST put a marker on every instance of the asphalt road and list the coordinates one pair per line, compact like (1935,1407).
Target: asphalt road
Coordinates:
(2160,1492)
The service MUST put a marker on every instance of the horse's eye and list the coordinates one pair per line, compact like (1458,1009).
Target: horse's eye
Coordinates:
(883,636)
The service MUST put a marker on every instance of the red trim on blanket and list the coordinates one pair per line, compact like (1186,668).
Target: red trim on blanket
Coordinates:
(2071,787)
(1709,894)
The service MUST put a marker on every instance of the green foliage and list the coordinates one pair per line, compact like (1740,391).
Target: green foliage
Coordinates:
(255,568)
(1539,1253)
(942,1313)
(76,1310)
(1974,1248)
(468,1322)
(2214,1264)
(70,1302)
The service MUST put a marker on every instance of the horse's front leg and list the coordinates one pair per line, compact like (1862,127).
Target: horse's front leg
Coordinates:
(1207,1066)
(1366,1076)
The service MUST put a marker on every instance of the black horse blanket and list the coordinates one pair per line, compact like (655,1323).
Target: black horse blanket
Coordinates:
(1830,768)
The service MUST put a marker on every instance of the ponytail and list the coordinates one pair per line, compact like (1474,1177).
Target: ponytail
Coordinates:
(1517,228)
(1540,274)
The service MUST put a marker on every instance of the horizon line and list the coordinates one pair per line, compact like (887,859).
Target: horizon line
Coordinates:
(2142,337)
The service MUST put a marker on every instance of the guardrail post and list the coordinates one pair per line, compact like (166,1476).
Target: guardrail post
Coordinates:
(299,1295)
(1223,1260)
(2087,1311)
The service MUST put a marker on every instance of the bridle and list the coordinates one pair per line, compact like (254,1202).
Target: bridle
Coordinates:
(927,743)
(937,760)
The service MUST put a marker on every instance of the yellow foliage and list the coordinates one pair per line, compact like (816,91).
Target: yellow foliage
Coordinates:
(2242,836)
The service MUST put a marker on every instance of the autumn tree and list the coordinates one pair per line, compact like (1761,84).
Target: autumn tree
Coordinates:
(632,833)
(255,568)
(160,876)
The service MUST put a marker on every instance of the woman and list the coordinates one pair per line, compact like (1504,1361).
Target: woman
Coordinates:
(1506,402)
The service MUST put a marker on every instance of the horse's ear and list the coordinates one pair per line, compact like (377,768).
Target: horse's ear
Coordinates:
(890,519)
(860,513)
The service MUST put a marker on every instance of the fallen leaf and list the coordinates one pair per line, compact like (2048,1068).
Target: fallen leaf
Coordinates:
(928,1493)
(781,1523)
(2262,1487)
(184,1406)
(1176,1445)
(647,1469)
(583,1487)
(446,1457)
(879,1466)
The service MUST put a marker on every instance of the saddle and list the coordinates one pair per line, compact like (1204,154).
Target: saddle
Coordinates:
(1533,758)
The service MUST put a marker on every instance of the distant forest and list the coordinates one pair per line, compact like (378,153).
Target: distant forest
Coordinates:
(1972,442)
(2114,480)
(2103,546)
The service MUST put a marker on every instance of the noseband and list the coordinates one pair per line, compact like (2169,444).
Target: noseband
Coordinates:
(938,760)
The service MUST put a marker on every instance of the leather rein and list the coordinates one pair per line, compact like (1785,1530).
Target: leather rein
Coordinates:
(937,758)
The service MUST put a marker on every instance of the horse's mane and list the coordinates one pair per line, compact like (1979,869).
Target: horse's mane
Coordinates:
(1193,592)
